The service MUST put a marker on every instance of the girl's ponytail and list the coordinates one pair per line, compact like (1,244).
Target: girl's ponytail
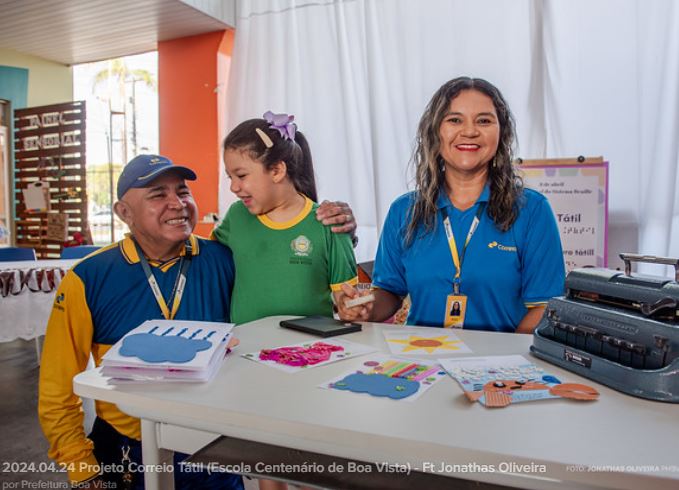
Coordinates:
(304,180)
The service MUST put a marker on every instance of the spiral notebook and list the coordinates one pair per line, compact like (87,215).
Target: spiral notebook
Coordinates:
(168,350)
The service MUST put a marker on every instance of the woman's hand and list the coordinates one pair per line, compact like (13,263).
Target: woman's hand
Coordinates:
(356,313)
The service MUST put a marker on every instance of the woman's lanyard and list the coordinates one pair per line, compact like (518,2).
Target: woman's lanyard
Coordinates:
(179,283)
(459,259)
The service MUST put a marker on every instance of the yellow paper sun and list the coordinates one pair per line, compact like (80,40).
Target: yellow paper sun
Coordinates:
(430,344)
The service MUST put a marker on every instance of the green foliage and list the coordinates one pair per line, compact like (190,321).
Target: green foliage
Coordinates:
(119,71)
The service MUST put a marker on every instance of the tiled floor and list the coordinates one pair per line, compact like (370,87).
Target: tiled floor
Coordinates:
(23,452)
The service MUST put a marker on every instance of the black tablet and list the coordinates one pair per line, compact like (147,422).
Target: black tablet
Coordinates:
(321,326)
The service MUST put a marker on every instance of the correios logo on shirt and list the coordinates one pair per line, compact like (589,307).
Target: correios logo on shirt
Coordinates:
(57,302)
(301,246)
(504,248)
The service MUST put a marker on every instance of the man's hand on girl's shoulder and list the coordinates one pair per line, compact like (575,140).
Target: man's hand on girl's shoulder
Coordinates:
(338,213)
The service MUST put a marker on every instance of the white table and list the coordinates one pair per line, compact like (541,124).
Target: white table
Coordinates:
(25,315)
(255,402)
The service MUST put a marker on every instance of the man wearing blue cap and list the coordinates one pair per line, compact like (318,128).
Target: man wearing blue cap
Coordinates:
(108,294)
(160,268)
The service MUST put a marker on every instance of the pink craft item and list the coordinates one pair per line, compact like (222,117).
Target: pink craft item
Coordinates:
(300,356)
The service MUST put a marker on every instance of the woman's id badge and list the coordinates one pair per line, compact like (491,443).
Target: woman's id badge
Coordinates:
(456,307)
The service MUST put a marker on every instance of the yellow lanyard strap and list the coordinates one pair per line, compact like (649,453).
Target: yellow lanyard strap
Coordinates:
(180,282)
(459,259)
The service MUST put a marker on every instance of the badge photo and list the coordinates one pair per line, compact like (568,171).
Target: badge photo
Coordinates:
(456,307)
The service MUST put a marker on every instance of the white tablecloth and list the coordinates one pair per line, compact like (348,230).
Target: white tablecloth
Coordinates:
(25,315)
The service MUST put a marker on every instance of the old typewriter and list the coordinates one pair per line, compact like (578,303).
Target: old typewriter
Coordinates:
(619,329)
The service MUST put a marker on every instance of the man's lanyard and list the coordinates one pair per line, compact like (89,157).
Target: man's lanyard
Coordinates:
(459,259)
(179,283)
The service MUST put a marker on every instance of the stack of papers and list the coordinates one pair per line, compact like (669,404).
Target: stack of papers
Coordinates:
(168,350)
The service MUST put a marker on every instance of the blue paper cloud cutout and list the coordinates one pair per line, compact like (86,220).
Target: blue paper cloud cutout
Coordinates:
(157,348)
(378,385)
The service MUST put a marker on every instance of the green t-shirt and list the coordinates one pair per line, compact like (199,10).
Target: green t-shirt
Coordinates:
(284,268)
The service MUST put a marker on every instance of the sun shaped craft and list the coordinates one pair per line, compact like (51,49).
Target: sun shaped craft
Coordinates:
(429,344)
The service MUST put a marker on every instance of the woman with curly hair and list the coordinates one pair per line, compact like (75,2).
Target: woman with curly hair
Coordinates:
(470,232)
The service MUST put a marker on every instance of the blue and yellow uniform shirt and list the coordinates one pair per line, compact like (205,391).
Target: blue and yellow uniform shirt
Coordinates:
(503,273)
(100,299)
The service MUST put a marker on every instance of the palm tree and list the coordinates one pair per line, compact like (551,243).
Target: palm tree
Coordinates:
(119,73)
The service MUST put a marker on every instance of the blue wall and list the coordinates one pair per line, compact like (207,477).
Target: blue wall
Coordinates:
(14,86)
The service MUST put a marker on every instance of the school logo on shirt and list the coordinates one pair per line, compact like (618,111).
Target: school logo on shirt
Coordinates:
(504,248)
(301,246)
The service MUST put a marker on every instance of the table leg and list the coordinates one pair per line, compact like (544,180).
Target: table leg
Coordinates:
(154,456)
(37,348)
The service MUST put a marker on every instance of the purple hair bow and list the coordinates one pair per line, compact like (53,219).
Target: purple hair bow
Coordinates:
(283,123)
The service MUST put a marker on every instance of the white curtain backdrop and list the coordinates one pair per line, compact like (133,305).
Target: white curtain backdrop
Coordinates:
(583,77)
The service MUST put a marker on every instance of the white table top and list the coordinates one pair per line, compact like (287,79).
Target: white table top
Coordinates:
(638,438)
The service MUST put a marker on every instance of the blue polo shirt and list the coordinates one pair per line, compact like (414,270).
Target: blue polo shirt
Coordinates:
(119,298)
(503,273)
(100,299)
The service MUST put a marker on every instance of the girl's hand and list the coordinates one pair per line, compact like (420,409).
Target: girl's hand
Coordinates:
(356,313)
